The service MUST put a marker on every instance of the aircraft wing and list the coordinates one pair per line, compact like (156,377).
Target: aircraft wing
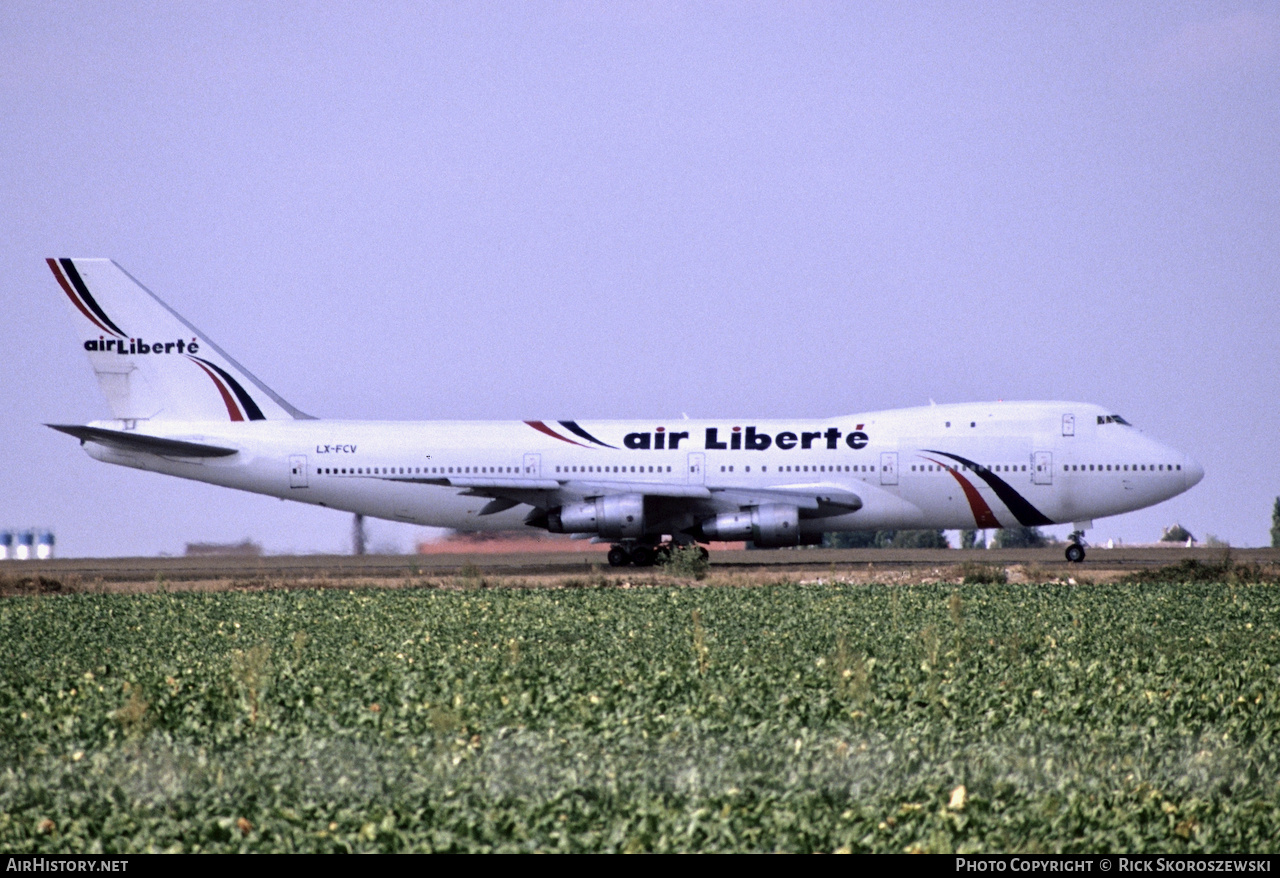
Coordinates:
(575,488)
(814,500)
(140,442)
(478,485)
(587,489)
(548,493)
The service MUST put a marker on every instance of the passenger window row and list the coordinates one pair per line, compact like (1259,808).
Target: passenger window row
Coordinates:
(990,468)
(800,468)
(605,469)
(412,470)
(1116,467)
(929,467)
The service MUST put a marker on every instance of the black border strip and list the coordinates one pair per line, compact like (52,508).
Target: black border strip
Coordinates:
(70,268)
(572,427)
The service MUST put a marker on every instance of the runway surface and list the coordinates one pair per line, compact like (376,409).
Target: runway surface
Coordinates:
(391,567)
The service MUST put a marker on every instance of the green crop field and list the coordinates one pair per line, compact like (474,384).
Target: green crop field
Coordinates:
(1136,717)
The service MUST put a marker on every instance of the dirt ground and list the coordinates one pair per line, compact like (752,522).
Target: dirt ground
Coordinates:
(573,570)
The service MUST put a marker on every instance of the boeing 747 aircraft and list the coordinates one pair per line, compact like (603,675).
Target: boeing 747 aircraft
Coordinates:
(182,406)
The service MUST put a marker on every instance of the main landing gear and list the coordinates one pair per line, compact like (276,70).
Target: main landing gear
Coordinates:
(631,552)
(622,555)
(1075,550)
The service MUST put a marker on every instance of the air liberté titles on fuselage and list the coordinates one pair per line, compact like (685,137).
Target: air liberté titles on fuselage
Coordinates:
(662,439)
(749,439)
(737,439)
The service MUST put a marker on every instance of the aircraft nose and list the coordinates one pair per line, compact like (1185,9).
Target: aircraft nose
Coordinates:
(1193,472)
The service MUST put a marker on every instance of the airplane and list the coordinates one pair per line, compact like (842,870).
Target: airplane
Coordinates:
(183,407)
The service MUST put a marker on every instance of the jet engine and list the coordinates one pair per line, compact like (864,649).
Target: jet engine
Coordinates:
(769,526)
(617,516)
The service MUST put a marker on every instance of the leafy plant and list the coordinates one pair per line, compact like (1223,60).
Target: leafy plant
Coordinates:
(1194,570)
(701,652)
(687,562)
(976,573)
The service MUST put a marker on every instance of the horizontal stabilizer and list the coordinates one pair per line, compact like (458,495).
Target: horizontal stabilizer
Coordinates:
(143,443)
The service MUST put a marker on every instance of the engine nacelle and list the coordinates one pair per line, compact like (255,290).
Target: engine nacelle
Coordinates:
(770,526)
(618,516)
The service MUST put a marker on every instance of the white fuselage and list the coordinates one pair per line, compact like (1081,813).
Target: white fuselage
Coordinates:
(998,464)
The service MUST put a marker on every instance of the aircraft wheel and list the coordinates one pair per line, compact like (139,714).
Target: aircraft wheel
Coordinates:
(1075,553)
(619,557)
(702,551)
(642,556)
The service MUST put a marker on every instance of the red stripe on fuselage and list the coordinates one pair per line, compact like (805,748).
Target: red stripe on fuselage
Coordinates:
(66,288)
(982,515)
(543,428)
(230,403)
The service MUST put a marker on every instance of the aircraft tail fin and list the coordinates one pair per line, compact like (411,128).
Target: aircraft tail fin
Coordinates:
(150,362)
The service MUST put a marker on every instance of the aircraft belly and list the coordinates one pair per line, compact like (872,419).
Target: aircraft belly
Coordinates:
(428,505)
(445,507)
(945,506)
(881,509)
(926,504)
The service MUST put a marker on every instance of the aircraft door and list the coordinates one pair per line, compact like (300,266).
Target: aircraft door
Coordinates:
(1042,468)
(697,468)
(297,471)
(533,465)
(888,467)
(1068,425)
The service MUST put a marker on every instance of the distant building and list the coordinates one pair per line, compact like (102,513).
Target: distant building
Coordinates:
(245,549)
(26,545)
(1176,533)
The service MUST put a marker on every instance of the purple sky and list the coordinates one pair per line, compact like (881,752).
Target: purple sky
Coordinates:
(635,210)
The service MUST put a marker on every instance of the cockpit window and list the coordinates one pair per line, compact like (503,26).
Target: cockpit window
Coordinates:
(1113,419)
